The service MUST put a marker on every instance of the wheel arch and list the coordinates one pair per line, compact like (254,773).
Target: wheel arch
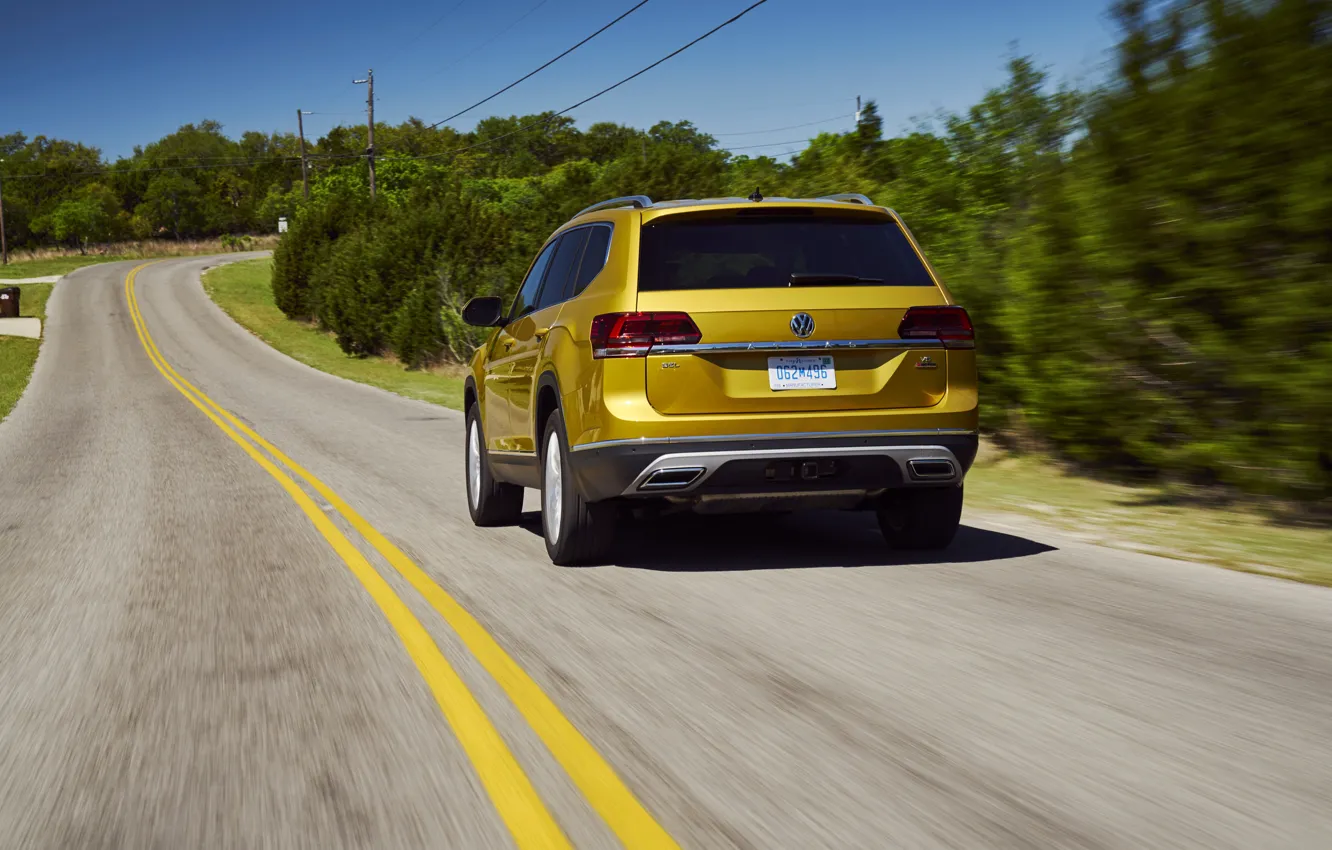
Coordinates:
(547,402)
(470,395)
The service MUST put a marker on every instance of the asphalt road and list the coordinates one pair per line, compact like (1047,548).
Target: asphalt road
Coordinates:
(186,660)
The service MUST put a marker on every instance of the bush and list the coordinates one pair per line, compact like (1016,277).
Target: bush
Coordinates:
(307,244)
(376,277)
(232,242)
(417,330)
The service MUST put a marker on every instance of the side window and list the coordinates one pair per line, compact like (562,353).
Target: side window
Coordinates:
(562,267)
(594,258)
(525,301)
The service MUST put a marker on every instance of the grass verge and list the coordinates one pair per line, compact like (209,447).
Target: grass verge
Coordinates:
(1154,520)
(1142,519)
(244,291)
(56,265)
(18,356)
(48,261)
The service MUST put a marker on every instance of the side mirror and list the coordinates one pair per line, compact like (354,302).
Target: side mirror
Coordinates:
(486,311)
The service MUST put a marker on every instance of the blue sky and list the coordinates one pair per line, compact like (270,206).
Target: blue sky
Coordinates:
(117,75)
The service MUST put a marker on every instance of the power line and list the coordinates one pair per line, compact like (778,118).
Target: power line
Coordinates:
(784,153)
(791,127)
(606,90)
(131,171)
(543,67)
(770,145)
(524,16)
(455,7)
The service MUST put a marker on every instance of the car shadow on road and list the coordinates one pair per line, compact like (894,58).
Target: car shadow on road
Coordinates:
(687,542)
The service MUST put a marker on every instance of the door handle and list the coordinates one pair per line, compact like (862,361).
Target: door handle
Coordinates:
(508,343)
(541,333)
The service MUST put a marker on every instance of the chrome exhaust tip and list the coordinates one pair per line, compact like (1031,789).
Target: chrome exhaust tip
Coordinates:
(676,478)
(931,469)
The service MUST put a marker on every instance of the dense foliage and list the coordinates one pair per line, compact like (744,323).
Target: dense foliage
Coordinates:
(1147,262)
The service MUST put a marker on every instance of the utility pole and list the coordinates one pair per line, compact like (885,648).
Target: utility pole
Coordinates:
(305,173)
(4,248)
(370,108)
(857,110)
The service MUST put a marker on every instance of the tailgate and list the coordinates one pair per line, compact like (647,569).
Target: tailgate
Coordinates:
(851,360)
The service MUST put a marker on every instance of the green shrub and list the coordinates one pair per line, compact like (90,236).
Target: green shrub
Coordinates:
(417,331)
(307,244)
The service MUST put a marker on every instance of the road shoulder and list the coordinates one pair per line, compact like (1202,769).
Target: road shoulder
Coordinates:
(244,292)
(1025,490)
(19,352)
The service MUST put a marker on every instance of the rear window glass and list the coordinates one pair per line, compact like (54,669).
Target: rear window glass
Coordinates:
(594,257)
(562,267)
(738,253)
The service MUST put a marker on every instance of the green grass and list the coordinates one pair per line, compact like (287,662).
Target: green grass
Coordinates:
(41,262)
(1155,520)
(243,290)
(18,356)
(56,265)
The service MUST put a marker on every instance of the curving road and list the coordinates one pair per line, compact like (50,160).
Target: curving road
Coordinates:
(199,647)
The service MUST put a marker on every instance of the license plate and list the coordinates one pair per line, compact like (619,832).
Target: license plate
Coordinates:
(802,373)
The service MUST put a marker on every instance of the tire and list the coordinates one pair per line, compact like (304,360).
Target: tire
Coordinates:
(576,531)
(920,519)
(490,502)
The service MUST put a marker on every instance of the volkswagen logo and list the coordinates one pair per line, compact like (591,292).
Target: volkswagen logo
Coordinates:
(802,325)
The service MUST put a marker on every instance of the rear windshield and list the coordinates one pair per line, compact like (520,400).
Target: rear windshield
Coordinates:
(739,253)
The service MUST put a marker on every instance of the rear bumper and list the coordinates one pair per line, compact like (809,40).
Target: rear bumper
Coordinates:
(688,469)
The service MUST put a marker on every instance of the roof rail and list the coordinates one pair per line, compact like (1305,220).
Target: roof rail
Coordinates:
(851,197)
(637,201)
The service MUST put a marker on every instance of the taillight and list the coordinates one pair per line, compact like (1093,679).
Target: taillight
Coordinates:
(633,334)
(949,324)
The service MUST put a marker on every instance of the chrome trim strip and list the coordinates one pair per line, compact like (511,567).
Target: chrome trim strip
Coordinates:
(803,435)
(710,462)
(495,452)
(797,345)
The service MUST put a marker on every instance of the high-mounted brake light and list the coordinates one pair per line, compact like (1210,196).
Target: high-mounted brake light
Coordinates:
(949,324)
(634,334)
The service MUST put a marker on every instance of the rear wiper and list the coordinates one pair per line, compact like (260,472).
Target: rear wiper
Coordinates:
(802,278)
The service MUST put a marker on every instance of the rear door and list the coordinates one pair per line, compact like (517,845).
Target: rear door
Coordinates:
(798,309)
(499,418)
(530,330)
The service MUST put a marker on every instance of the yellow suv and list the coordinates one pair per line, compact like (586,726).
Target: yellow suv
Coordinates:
(723,355)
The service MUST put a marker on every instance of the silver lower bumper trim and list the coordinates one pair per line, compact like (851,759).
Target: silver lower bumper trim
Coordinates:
(796,435)
(920,465)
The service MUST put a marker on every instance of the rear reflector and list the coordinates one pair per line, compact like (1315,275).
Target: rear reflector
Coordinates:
(634,334)
(950,324)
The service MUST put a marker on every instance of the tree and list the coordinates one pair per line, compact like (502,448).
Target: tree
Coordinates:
(173,202)
(683,134)
(678,162)
(88,216)
(605,141)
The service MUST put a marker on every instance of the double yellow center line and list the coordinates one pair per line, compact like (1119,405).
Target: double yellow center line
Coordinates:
(515,799)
